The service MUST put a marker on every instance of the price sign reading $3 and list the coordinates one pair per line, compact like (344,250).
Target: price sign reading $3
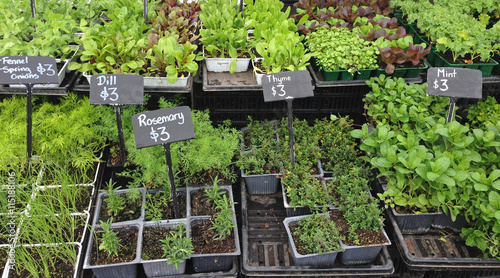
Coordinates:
(454,82)
(116,89)
(159,133)
(163,126)
(106,92)
(28,69)
(46,69)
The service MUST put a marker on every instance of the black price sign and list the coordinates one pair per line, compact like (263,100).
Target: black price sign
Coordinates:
(116,89)
(454,82)
(287,85)
(163,126)
(28,70)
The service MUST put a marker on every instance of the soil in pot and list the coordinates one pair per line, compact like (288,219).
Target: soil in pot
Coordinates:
(151,245)
(365,236)
(115,155)
(205,177)
(131,210)
(200,205)
(127,251)
(203,243)
(157,209)
(4,255)
(61,267)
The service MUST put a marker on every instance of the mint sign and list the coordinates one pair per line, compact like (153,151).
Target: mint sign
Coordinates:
(116,89)
(28,70)
(160,127)
(287,85)
(454,82)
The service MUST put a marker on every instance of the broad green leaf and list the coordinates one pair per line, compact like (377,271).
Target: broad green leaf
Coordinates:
(480,187)
(494,199)
(432,176)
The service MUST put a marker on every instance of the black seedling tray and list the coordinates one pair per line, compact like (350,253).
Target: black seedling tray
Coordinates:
(265,244)
(441,250)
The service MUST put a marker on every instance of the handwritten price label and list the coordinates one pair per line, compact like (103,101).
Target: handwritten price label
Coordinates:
(287,85)
(117,89)
(454,82)
(28,69)
(163,126)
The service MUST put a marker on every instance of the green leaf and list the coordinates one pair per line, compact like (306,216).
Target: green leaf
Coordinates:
(192,67)
(447,180)
(400,201)
(381,162)
(480,187)
(494,199)
(496,185)
(441,164)
(432,176)
(111,60)
(232,66)
(172,74)
(441,197)
(423,199)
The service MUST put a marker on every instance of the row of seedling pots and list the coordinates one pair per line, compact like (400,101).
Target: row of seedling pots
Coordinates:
(157,262)
(421,223)
(348,254)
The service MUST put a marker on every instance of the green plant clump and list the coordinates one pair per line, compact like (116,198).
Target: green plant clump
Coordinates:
(338,48)
(317,234)
(432,165)
(177,246)
(485,112)
(110,242)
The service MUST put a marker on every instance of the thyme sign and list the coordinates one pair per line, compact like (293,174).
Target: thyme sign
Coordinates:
(28,70)
(163,126)
(287,85)
(116,89)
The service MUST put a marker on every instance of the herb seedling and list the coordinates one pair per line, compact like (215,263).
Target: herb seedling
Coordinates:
(214,192)
(109,241)
(114,202)
(223,221)
(318,234)
(177,246)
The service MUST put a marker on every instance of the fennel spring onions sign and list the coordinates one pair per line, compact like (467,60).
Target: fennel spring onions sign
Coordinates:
(28,70)
(287,85)
(454,82)
(116,89)
(160,127)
